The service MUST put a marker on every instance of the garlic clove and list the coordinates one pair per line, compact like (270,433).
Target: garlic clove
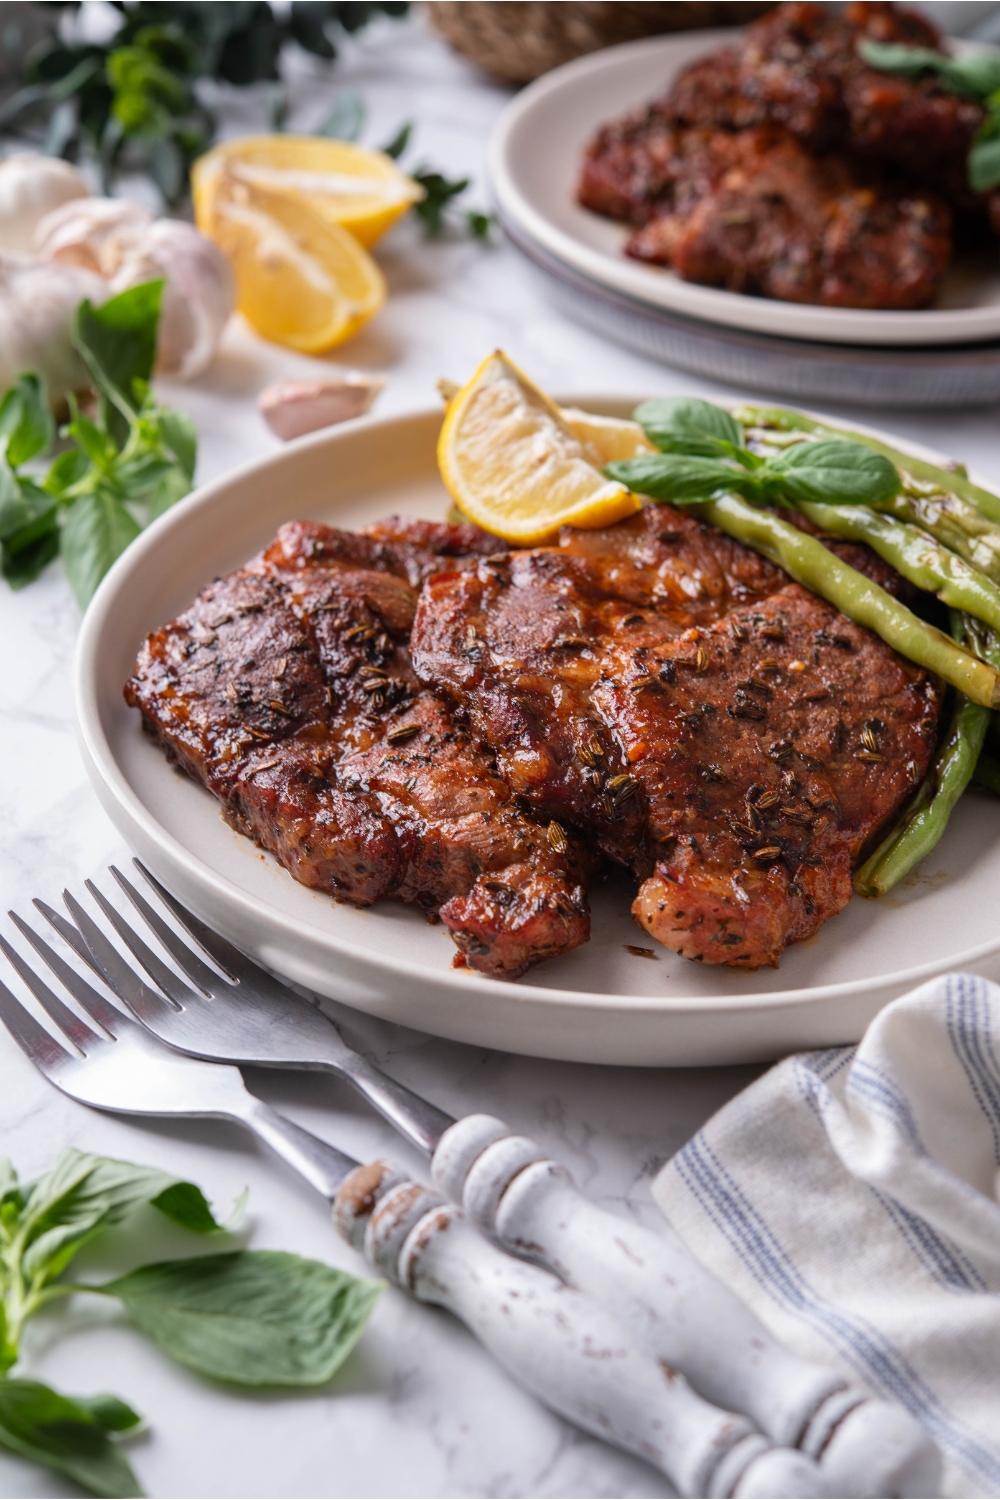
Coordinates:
(95,233)
(37,301)
(30,187)
(198,297)
(294,407)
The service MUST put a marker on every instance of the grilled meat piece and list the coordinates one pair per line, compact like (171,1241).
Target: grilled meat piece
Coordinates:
(784,224)
(726,735)
(287,690)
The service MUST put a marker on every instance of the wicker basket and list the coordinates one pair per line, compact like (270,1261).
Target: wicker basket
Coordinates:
(516,40)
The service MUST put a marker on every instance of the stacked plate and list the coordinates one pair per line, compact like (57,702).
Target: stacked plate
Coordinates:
(948,354)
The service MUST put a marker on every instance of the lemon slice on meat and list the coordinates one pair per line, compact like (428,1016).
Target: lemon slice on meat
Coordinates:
(607,440)
(301,280)
(362,191)
(514,465)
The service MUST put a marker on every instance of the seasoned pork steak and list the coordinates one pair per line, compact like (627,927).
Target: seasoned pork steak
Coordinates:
(675,699)
(287,690)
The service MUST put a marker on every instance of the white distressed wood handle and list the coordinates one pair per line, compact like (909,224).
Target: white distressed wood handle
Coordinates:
(680,1312)
(568,1351)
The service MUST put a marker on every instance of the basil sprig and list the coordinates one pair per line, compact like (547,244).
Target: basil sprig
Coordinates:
(128,462)
(976,76)
(703,453)
(250,1317)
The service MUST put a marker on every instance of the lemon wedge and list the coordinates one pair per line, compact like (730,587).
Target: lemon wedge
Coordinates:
(514,465)
(301,280)
(362,191)
(606,440)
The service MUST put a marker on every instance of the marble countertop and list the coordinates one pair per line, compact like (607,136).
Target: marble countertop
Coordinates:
(419,1408)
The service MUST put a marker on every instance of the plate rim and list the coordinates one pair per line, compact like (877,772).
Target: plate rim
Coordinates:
(111,782)
(863,327)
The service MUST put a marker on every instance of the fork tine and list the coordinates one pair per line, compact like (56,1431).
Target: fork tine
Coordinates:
(113,968)
(231,959)
(34,1041)
(83,993)
(68,1022)
(175,989)
(68,933)
(199,973)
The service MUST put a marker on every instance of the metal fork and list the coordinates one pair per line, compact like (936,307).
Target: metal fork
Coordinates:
(528,1204)
(565,1349)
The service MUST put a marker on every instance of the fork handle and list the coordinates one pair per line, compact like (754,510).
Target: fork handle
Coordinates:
(567,1350)
(678,1311)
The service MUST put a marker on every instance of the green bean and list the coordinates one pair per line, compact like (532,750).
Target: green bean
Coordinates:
(928,478)
(911,552)
(987,773)
(822,571)
(953,767)
(954,522)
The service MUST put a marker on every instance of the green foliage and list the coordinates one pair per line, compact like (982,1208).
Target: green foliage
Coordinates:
(976,76)
(252,1318)
(703,453)
(130,460)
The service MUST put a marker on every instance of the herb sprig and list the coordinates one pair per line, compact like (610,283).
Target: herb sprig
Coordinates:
(128,461)
(975,76)
(251,1318)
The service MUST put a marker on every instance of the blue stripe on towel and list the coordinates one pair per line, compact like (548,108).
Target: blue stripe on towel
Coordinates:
(940,1256)
(864,1347)
(969,1018)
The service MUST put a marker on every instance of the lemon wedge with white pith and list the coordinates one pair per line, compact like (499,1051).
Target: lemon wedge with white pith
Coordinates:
(300,280)
(514,465)
(362,191)
(606,440)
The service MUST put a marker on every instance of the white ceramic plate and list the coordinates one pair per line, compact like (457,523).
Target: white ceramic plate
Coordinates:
(598,1004)
(535,156)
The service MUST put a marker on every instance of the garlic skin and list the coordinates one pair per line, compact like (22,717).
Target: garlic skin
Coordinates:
(30,187)
(294,407)
(91,232)
(37,303)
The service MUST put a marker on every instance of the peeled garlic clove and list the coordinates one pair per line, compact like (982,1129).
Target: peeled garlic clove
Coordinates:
(30,187)
(197,299)
(294,407)
(37,303)
(95,233)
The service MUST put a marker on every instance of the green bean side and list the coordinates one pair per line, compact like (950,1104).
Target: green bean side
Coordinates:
(953,767)
(817,568)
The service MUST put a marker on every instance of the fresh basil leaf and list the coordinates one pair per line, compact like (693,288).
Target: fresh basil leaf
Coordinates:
(984,164)
(96,444)
(39,1424)
(833,471)
(253,1317)
(9,1186)
(977,72)
(974,76)
(117,341)
(28,553)
(97,530)
(171,487)
(683,424)
(22,502)
(25,420)
(681,479)
(84,1194)
(180,435)
(66,471)
(110,1412)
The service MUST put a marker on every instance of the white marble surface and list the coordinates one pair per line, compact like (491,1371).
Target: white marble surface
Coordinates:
(419,1409)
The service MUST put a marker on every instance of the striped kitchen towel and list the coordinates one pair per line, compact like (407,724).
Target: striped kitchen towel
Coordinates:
(851,1197)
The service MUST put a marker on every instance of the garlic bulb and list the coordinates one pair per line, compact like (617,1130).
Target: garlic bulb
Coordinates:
(30,187)
(294,407)
(121,241)
(197,299)
(37,303)
(91,232)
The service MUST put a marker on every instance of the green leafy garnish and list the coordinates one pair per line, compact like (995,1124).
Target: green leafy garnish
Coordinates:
(976,76)
(130,461)
(251,1318)
(703,453)
(254,1317)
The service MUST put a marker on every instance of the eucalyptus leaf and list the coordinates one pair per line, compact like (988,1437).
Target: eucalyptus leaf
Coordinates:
(399,142)
(681,479)
(253,1317)
(835,472)
(683,424)
(39,1424)
(346,119)
(98,528)
(25,420)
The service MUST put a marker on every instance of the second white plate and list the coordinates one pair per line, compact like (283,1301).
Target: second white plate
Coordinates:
(535,156)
